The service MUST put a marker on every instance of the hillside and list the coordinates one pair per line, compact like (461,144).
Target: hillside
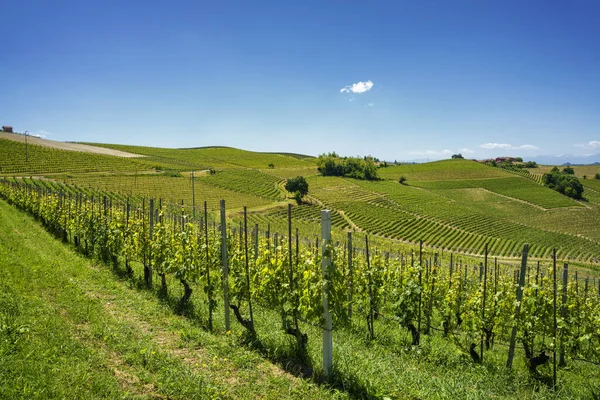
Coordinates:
(65,145)
(455,205)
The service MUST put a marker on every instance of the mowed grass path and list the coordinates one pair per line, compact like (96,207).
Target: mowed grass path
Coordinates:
(71,329)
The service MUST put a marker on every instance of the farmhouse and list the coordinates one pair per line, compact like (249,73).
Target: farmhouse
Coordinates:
(7,129)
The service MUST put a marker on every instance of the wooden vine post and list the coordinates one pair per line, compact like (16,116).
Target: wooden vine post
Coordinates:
(563,314)
(148,267)
(325,266)
(421,292)
(483,331)
(555,321)
(513,336)
(247,266)
(350,276)
(371,314)
(193,198)
(295,330)
(225,266)
(209,292)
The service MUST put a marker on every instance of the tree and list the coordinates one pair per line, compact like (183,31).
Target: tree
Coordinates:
(352,167)
(597,176)
(298,186)
(563,182)
(402,180)
(569,170)
(457,156)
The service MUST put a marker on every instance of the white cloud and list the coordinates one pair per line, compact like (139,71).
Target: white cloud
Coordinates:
(431,153)
(359,87)
(370,105)
(594,144)
(495,146)
(507,146)
(466,151)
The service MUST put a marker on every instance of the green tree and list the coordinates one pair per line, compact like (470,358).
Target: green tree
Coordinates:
(298,186)
(457,156)
(569,170)
(563,182)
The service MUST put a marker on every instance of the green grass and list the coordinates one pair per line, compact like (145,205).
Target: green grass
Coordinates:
(78,330)
(72,329)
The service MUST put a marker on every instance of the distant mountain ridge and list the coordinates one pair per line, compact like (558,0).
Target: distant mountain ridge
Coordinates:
(565,159)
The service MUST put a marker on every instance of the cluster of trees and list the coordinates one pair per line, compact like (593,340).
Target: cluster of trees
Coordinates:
(509,163)
(564,182)
(353,167)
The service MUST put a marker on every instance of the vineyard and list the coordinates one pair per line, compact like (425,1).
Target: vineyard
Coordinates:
(483,311)
(217,157)
(455,205)
(19,158)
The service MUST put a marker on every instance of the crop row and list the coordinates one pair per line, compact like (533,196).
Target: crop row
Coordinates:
(516,187)
(216,157)
(420,294)
(19,158)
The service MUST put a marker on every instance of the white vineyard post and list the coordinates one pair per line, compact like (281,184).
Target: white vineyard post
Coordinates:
(325,265)
(225,266)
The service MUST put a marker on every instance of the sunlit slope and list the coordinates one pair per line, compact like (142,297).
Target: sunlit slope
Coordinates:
(242,187)
(441,170)
(20,158)
(451,204)
(218,157)
(463,205)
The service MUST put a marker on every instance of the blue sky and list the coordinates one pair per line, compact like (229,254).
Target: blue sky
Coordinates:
(398,79)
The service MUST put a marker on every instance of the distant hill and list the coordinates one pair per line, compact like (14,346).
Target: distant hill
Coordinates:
(565,159)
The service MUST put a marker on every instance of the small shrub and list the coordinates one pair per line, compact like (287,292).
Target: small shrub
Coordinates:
(402,180)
